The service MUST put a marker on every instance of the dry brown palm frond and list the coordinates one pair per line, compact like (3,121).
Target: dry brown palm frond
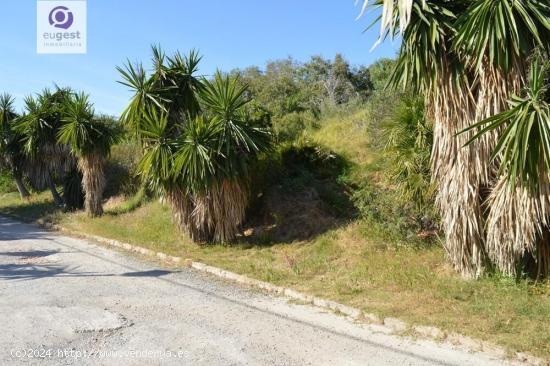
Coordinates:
(220,212)
(518,225)
(230,208)
(53,160)
(387,20)
(492,90)
(213,216)
(518,234)
(92,167)
(465,174)
(182,207)
(458,173)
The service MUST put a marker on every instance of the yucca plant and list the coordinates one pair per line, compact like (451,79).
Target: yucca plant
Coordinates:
(11,154)
(199,143)
(172,87)
(231,141)
(90,141)
(466,58)
(38,128)
(497,39)
(518,221)
(428,65)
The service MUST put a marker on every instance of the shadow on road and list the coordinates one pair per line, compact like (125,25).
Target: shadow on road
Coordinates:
(29,254)
(33,264)
(15,271)
(12,230)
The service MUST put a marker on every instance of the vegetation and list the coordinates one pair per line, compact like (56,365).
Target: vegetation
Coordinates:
(409,144)
(375,261)
(12,158)
(327,177)
(90,142)
(295,95)
(199,143)
(62,141)
(37,127)
(467,59)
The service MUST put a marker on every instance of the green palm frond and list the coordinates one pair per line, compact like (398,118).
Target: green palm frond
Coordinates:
(196,157)
(38,125)
(181,76)
(158,61)
(425,54)
(11,154)
(241,138)
(171,87)
(82,131)
(505,31)
(155,167)
(37,135)
(7,111)
(224,95)
(75,131)
(154,126)
(145,93)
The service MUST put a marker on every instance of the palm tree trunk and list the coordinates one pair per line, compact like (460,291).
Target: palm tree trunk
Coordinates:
(459,174)
(182,212)
(215,215)
(92,167)
(55,195)
(23,192)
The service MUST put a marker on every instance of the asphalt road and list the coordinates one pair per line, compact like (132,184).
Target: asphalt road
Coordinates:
(65,301)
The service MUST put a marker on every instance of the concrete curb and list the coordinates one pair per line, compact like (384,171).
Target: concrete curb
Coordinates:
(386,325)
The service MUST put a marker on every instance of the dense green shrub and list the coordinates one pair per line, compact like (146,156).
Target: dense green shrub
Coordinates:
(409,144)
(297,95)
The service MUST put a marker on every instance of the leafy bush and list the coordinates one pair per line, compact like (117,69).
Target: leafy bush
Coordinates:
(292,125)
(121,169)
(409,145)
(397,199)
(7,184)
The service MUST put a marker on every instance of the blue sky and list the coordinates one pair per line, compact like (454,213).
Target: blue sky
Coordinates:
(228,34)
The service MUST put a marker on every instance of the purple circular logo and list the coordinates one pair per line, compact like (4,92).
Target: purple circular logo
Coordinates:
(61,17)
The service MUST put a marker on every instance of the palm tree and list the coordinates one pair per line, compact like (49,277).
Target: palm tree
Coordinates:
(221,145)
(90,140)
(12,156)
(428,64)
(199,143)
(172,87)
(500,37)
(38,127)
(466,58)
